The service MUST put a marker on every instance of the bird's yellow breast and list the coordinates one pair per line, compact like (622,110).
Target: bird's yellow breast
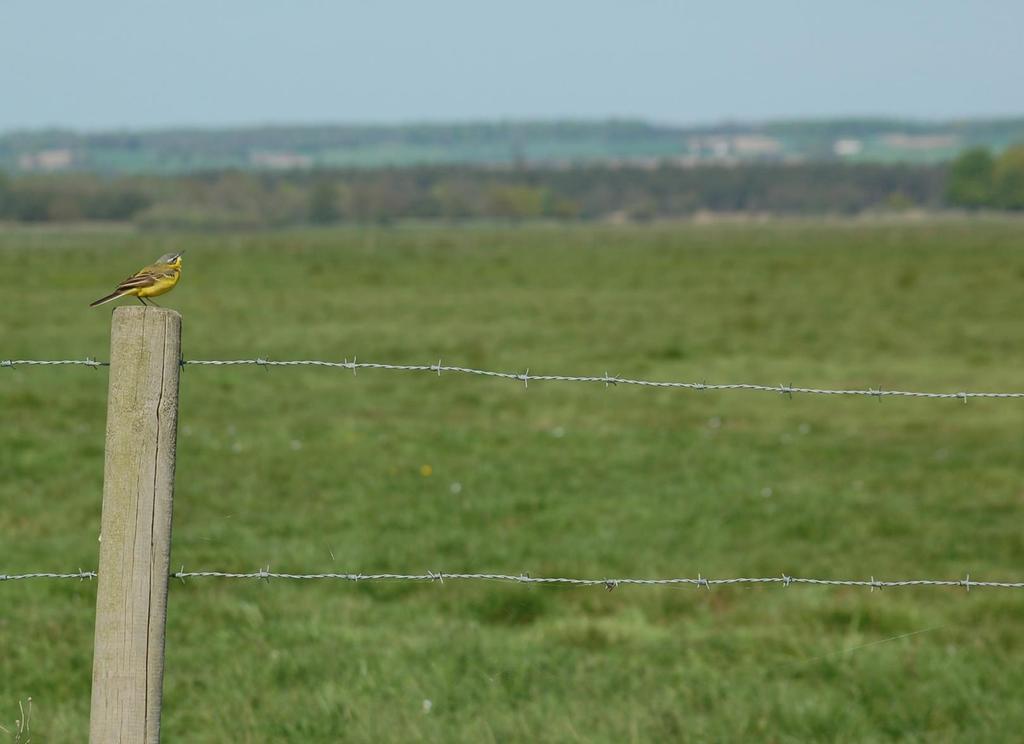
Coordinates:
(163,284)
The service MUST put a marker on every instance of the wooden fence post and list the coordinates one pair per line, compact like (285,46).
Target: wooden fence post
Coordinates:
(138,490)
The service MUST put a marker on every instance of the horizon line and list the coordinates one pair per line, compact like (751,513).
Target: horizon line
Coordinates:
(722,123)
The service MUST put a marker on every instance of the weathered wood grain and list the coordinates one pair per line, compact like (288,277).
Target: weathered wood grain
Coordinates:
(138,491)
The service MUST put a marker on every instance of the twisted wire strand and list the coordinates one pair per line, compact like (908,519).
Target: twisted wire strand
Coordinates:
(608,583)
(87,362)
(526,378)
(81,575)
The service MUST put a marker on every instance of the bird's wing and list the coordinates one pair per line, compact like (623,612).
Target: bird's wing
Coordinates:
(136,281)
(145,278)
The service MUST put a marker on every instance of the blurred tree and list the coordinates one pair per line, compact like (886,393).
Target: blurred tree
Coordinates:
(456,198)
(516,202)
(644,210)
(971,179)
(1008,178)
(5,196)
(323,202)
(897,201)
(561,208)
(30,203)
(115,204)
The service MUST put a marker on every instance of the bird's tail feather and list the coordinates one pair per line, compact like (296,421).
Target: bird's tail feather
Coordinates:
(112,296)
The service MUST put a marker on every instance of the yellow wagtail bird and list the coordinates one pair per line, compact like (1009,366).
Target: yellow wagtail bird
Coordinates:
(151,281)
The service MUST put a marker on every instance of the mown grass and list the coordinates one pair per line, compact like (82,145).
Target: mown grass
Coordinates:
(317,470)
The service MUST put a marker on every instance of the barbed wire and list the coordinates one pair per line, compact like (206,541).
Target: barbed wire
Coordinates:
(526,378)
(80,574)
(785,580)
(87,362)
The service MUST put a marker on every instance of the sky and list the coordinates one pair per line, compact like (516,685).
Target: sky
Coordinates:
(140,64)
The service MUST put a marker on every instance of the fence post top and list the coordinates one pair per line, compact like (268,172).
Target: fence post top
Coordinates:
(128,311)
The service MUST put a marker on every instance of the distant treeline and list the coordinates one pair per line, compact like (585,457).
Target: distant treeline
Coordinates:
(177,151)
(269,199)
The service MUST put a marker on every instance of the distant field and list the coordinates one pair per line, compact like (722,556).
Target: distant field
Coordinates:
(317,470)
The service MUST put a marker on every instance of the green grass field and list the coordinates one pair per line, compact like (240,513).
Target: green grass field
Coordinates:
(316,470)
